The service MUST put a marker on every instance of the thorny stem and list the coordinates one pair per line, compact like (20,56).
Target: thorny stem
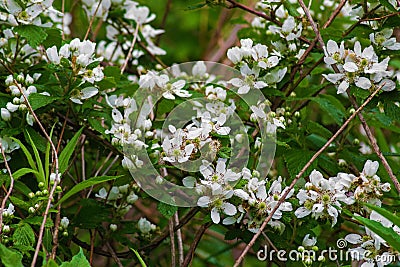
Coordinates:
(3,204)
(299,175)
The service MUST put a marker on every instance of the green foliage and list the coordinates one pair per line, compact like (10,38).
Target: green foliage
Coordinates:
(166,210)
(77,260)
(9,257)
(66,154)
(34,34)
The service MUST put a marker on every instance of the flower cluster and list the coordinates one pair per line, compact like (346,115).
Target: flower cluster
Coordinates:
(121,197)
(254,62)
(323,198)
(359,67)
(370,247)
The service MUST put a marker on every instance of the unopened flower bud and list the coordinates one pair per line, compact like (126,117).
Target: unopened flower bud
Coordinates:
(20,78)
(31,210)
(113,227)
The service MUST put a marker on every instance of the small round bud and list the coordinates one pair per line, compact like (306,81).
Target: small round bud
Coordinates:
(58,188)
(352,111)
(315,248)
(31,195)
(65,233)
(31,210)
(300,248)
(38,193)
(292,94)
(41,185)
(45,192)
(20,78)
(113,227)
(356,141)
(6,229)
(321,258)
(5,114)
(297,114)
(308,261)
(22,107)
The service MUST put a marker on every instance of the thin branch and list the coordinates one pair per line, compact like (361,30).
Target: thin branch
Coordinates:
(130,48)
(171,224)
(3,204)
(164,20)
(375,145)
(193,246)
(313,24)
(114,256)
(92,20)
(179,239)
(299,175)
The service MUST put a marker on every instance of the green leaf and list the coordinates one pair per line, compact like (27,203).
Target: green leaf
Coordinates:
(9,257)
(50,263)
(47,155)
(54,37)
(385,213)
(291,9)
(388,5)
(37,100)
(67,152)
(27,153)
(296,159)
(85,184)
(77,260)
(388,234)
(166,210)
(21,172)
(37,220)
(38,159)
(139,258)
(20,203)
(35,35)
(24,235)
(40,141)
(332,106)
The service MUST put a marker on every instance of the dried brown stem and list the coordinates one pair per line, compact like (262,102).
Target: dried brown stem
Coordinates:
(193,246)
(92,20)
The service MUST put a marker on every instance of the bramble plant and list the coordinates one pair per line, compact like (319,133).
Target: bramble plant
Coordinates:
(113,154)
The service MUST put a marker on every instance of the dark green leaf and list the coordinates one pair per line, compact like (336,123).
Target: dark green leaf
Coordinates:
(166,210)
(35,35)
(37,100)
(77,260)
(66,154)
(85,184)
(9,257)
(24,235)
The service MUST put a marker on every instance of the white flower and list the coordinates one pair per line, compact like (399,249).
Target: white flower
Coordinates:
(85,93)
(370,168)
(309,241)
(249,80)
(335,53)
(52,55)
(64,222)
(5,114)
(145,226)
(139,14)
(235,54)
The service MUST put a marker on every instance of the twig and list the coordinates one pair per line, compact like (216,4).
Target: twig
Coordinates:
(179,239)
(193,246)
(171,224)
(114,256)
(92,20)
(298,176)
(56,231)
(130,48)
(313,24)
(375,145)
(3,204)
(164,20)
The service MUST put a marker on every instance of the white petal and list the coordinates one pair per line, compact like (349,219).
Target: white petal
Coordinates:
(244,89)
(363,83)
(343,87)
(350,67)
(302,212)
(215,215)
(229,209)
(353,239)
(332,47)
(203,201)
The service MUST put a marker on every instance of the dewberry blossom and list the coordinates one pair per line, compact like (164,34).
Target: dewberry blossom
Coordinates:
(371,248)
(289,30)
(384,39)
(358,67)
(216,181)
(321,198)
(248,81)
